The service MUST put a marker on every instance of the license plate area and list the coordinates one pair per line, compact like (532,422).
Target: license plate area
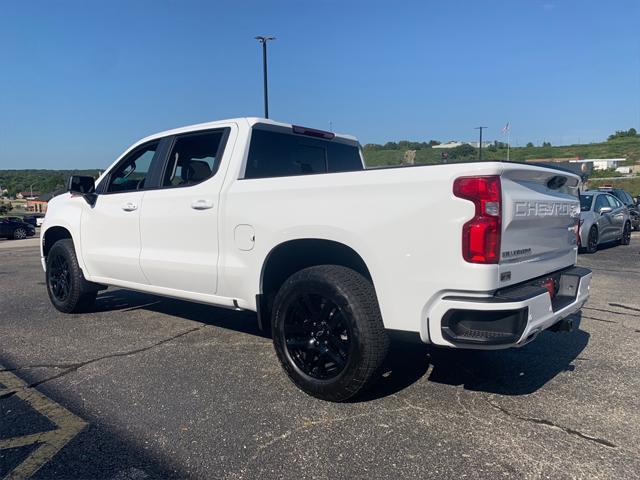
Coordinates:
(562,288)
(566,284)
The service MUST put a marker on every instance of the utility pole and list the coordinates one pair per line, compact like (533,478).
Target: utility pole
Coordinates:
(263,39)
(480,143)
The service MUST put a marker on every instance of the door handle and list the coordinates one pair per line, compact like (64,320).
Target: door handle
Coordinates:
(202,204)
(129,207)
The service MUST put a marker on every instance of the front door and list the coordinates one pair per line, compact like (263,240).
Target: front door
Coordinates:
(617,216)
(604,220)
(110,230)
(179,221)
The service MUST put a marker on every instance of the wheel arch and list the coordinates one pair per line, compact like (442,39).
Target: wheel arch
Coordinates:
(51,236)
(294,255)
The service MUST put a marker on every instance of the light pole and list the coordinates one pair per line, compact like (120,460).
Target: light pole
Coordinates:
(263,39)
(480,143)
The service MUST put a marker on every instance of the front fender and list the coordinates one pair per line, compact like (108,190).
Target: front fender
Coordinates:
(64,211)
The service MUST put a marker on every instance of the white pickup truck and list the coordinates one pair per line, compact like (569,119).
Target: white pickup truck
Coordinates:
(286,221)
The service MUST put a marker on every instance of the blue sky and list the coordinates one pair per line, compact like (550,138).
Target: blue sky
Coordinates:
(81,80)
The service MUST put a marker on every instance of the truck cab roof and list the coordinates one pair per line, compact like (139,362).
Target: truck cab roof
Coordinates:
(251,121)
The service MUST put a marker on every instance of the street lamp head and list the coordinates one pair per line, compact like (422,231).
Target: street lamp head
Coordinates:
(264,38)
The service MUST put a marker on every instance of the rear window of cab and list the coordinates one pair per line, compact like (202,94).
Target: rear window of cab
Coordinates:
(282,154)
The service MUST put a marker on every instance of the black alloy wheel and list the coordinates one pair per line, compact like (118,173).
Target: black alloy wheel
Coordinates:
(328,331)
(68,290)
(59,278)
(317,337)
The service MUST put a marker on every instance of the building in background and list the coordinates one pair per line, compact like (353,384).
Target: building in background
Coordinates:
(602,163)
(450,144)
(39,204)
(26,195)
(454,144)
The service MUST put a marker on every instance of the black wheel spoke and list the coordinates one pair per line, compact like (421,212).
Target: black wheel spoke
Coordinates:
(308,308)
(337,344)
(316,335)
(326,311)
(297,343)
(60,278)
(298,329)
(334,357)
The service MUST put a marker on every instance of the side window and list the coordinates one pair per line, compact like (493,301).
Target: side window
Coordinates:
(613,201)
(193,158)
(601,201)
(344,158)
(131,173)
(618,202)
(275,154)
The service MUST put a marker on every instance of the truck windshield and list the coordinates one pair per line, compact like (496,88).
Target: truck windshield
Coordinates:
(585,202)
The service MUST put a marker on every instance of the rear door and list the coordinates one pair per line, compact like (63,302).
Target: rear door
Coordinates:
(539,221)
(179,220)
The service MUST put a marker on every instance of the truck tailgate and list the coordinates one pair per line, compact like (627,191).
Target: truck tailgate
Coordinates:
(539,222)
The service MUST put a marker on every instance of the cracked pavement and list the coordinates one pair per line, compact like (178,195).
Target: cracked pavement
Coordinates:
(173,389)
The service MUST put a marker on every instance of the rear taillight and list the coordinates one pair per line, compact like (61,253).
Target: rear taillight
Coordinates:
(481,234)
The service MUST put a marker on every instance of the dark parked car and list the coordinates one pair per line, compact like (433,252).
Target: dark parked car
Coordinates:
(626,198)
(35,220)
(15,229)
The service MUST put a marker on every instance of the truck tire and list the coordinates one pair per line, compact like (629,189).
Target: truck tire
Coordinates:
(328,331)
(66,284)
(626,234)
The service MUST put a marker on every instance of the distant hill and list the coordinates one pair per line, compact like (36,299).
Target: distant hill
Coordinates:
(629,147)
(392,153)
(41,181)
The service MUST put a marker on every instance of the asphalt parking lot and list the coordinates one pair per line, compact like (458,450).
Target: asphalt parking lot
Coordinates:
(147,387)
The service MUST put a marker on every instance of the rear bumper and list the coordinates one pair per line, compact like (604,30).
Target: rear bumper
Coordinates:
(511,317)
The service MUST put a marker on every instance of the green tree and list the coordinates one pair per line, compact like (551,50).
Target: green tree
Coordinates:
(623,134)
(463,152)
(529,145)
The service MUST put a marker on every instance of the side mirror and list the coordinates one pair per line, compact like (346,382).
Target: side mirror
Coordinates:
(80,184)
(604,210)
(85,186)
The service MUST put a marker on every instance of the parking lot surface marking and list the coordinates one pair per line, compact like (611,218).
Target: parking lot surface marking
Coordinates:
(47,443)
(172,389)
